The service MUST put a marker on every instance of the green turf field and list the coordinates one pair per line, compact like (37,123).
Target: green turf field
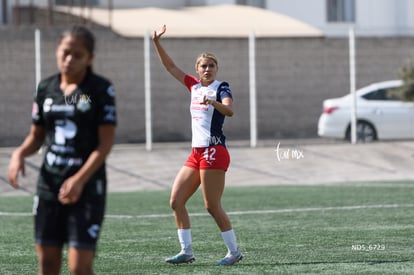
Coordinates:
(364,228)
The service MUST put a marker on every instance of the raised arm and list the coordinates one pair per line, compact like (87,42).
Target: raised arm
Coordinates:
(165,59)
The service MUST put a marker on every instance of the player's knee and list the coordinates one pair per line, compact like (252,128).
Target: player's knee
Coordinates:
(172,204)
(212,209)
(49,267)
(77,269)
(175,204)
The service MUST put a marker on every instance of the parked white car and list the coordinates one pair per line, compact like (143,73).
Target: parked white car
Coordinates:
(379,116)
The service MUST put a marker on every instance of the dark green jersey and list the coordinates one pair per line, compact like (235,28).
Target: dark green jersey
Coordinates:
(71,123)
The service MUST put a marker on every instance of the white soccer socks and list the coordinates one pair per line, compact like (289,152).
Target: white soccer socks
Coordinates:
(184,236)
(229,238)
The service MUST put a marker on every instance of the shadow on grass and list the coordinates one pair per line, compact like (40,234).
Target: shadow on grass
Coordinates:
(337,262)
(243,263)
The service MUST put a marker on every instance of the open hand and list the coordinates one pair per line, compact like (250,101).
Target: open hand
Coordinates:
(16,165)
(157,35)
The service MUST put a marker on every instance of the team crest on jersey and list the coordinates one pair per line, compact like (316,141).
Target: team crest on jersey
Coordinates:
(83,104)
(211,93)
(207,91)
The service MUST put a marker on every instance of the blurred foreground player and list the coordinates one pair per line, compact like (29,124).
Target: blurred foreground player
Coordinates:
(74,112)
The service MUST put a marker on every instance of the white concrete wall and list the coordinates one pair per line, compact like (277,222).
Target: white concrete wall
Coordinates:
(377,16)
(309,11)
(410,19)
(220,2)
(373,17)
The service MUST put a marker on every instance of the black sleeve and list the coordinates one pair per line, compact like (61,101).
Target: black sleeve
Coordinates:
(106,107)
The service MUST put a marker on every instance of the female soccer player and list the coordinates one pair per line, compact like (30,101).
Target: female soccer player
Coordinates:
(211,101)
(74,111)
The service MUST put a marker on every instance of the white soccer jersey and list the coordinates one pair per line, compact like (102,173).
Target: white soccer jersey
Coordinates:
(206,121)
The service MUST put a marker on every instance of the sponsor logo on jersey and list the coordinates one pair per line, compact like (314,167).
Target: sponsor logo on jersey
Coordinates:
(49,107)
(53,159)
(68,109)
(62,149)
(110,113)
(47,104)
(111,91)
(35,111)
(64,129)
(94,230)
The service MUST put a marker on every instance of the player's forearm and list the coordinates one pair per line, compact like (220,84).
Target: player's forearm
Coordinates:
(31,144)
(95,160)
(98,156)
(223,109)
(165,59)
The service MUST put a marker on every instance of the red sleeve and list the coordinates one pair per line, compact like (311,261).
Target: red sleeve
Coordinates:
(190,81)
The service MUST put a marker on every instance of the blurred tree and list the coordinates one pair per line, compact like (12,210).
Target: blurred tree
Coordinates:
(406,91)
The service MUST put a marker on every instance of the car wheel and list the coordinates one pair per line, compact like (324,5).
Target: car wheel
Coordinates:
(365,132)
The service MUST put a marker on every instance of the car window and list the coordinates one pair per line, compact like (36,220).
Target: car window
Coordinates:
(381,94)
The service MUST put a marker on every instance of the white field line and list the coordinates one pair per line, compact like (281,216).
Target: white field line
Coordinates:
(247,212)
